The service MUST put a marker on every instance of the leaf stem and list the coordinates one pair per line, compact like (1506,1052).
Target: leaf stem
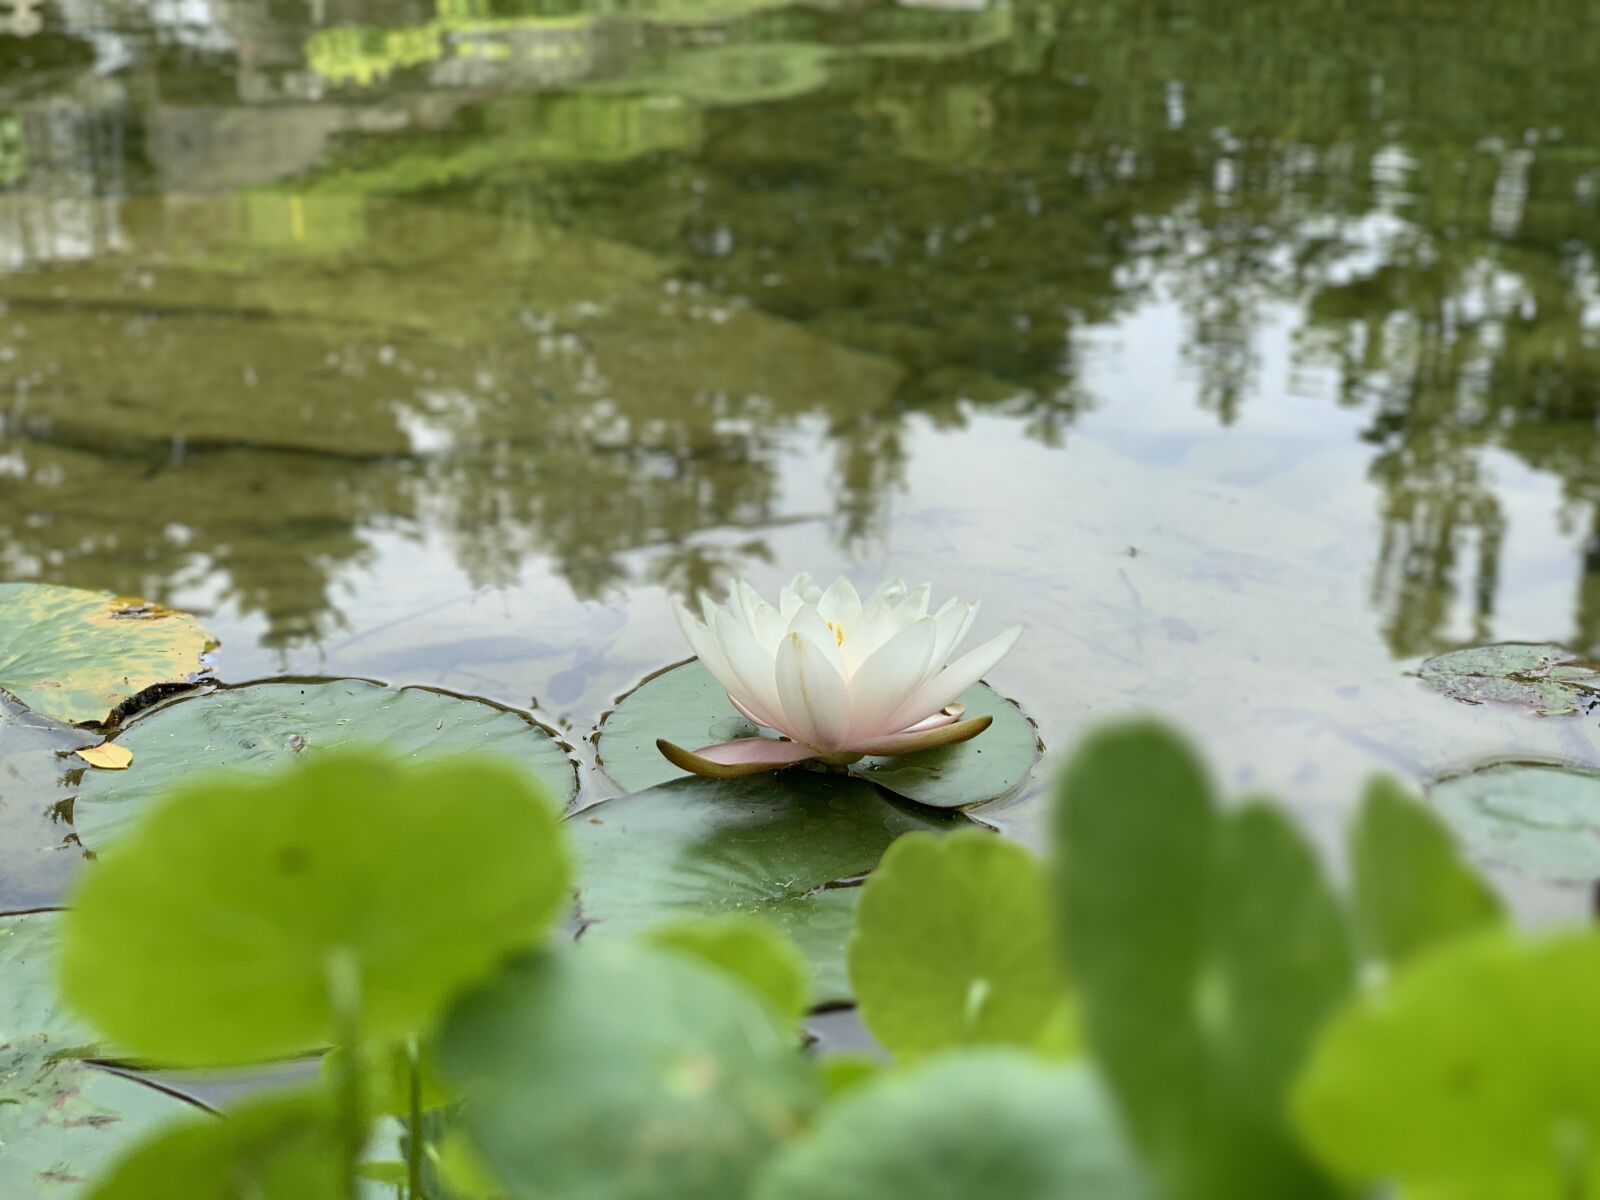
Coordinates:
(414,1142)
(344,996)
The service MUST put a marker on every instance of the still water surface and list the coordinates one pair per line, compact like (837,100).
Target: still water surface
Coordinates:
(1246,352)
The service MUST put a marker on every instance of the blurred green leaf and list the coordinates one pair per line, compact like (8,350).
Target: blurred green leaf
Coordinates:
(206,935)
(977,1123)
(622,1072)
(386,1072)
(1476,1074)
(844,1072)
(1411,887)
(953,946)
(768,846)
(263,726)
(754,952)
(1206,950)
(280,1148)
(76,656)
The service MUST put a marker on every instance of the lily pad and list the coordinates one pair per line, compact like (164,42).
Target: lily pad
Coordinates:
(63,1122)
(1547,679)
(623,1073)
(79,656)
(686,706)
(35,779)
(979,1123)
(768,846)
(1536,820)
(32,1013)
(263,725)
(251,917)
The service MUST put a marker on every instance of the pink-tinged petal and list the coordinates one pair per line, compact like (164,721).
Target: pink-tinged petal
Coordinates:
(882,683)
(752,669)
(730,760)
(808,623)
(816,699)
(955,679)
(840,604)
(744,712)
(927,739)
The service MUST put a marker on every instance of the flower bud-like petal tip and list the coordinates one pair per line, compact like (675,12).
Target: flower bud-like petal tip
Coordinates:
(732,760)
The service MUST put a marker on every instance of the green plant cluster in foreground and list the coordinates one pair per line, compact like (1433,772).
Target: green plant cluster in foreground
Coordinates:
(1175,1004)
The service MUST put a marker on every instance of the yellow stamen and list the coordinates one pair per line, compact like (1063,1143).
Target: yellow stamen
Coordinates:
(838,632)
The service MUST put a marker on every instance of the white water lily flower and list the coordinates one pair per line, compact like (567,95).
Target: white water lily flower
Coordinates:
(838,676)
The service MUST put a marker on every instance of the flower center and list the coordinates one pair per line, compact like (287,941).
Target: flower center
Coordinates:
(838,632)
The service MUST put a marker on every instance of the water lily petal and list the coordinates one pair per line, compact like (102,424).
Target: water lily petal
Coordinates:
(949,683)
(927,739)
(730,760)
(840,604)
(816,699)
(891,593)
(867,633)
(808,623)
(752,669)
(760,617)
(882,683)
(753,717)
(954,618)
(704,644)
(914,607)
(948,715)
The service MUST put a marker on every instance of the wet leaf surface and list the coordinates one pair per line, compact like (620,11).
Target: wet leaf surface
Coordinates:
(768,846)
(687,707)
(36,772)
(77,656)
(263,725)
(1546,679)
(1538,820)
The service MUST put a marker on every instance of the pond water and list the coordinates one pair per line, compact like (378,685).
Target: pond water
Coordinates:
(1246,352)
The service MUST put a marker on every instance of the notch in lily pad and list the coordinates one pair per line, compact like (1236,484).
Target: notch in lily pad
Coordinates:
(1546,679)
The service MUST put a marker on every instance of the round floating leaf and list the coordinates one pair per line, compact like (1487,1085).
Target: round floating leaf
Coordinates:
(748,949)
(279,1148)
(265,725)
(1550,680)
(767,846)
(63,1122)
(981,1123)
(1537,820)
(1476,1074)
(687,707)
(623,1073)
(208,934)
(36,767)
(78,656)
(32,1013)
(954,946)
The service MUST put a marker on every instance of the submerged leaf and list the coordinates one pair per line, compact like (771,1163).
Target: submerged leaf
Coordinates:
(210,933)
(78,656)
(1547,679)
(620,1072)
(1537,820)
(768,846)
(264,725)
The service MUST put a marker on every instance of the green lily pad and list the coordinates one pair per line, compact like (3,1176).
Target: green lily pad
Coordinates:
(1547,679)
(1475,1076)
(980,1123)
(1536,820)
(954,946)
(79,656)
(276,1148)
(36,771)
(768,846)
(250,917)
(64,1121)
(1207,950)
(686,706)
(623,1072)
(263,725)
(32,1013)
